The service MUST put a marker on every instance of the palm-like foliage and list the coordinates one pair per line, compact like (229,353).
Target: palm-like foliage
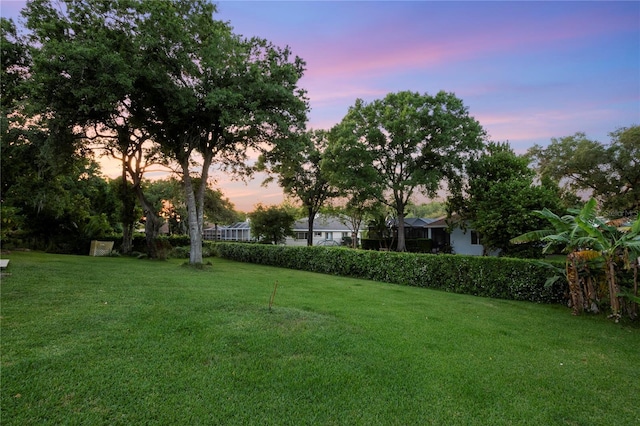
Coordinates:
(565,233)
(583,229)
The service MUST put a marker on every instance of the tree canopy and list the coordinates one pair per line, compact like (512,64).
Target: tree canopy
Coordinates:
(298,166)
(498,198)
(167,70)
(609,172)
(404,143)
(271,224)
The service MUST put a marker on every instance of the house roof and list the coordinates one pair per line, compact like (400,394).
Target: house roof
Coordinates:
(321,223)
(439,223)
(445,222)
(418,221)
(237,225)
(414,222)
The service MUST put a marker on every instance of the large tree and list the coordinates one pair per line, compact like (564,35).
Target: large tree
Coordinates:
(404,144)
(215,97)
(297,164)
(52,196)
(168,70)
(608,172)
(168,197)
(498,197)
(85,77)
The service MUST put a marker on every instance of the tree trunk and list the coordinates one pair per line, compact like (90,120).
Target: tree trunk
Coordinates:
(401,239)
(127,238)
(354,234)
(613,288)
(312,217)
(592,295)
(151,229)
(575,291)
(195,203)
(195,229)
(356,221)
(127,197)
(152,223)
(128,208)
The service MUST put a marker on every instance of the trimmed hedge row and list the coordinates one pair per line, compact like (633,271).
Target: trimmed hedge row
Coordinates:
(502,278)
(414,245)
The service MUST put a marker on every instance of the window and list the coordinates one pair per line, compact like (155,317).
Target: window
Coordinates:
(301,235)
(475,238)
(329,236)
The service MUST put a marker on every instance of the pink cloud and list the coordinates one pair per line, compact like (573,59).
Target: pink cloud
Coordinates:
(539,126)
(399,44)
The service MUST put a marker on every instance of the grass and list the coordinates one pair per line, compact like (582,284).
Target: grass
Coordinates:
(109,341)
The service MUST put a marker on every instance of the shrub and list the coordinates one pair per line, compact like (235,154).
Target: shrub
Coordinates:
(183,252)
(180,252)
(504,278)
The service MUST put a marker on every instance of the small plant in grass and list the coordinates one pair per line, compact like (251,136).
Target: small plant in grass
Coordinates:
(273,295)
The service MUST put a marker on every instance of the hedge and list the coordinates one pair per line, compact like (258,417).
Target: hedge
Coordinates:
(414,245)
(497,277)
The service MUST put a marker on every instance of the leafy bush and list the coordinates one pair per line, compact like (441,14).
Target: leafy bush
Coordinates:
(504,278)
(182,252)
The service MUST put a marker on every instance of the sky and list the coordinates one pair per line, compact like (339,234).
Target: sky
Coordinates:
(527,71)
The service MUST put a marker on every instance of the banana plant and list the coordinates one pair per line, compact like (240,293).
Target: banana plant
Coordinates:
(565,232)
(583,229)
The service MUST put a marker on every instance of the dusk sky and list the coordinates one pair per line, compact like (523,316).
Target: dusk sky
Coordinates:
(527,71)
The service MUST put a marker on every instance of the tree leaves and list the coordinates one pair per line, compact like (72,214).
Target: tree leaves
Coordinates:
(401,144)
(608,172)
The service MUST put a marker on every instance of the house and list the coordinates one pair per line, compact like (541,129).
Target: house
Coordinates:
(239,231)
(444,240)
(455,240)
(416,227)
(327,230)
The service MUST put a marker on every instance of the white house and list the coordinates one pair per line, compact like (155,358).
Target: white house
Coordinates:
(460,242)
(327,230)
(444,240)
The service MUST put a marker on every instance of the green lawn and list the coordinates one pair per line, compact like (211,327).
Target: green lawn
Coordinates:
(111,341)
